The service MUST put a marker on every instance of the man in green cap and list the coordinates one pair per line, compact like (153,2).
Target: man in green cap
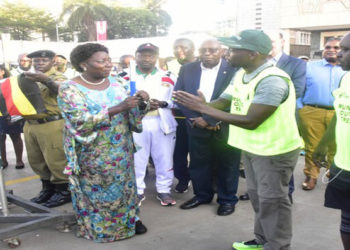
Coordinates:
(262,101)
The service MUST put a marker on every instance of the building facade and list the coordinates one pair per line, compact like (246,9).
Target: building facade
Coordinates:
(307,24)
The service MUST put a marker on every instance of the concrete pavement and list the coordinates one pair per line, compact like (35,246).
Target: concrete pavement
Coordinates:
(170,228)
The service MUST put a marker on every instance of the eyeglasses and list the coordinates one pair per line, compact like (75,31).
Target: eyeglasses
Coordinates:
(210,50)
(332,47)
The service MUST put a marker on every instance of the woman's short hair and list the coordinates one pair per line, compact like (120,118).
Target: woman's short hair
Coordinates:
(6,72)
(83,52)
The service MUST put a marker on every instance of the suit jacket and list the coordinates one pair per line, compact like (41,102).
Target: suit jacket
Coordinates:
(189,81)
(296,69)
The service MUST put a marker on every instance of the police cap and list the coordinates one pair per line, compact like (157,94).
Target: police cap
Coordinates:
(42,53)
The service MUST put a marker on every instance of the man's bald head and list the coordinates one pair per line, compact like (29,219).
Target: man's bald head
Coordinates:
(277,40)
(24,62)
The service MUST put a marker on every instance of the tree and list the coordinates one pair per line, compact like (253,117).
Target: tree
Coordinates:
(131,22)
(164,19)
(121,22)
(82,15)
(22,21)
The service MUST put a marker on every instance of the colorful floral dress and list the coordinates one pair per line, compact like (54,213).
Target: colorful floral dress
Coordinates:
(100,160)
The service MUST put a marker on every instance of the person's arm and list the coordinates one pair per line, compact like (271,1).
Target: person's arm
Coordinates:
(220,103)
(44,79)
(319,155)
(256,115)
(269,94)
(129,103)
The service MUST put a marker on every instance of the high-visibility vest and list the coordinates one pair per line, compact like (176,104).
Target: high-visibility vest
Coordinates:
(278,134)
(342,129)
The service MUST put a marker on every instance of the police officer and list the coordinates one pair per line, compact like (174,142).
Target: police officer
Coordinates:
(43,133)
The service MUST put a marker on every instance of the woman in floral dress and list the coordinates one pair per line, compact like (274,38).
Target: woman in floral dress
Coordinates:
(99,120)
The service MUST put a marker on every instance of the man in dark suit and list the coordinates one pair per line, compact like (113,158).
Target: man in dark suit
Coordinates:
(208,137)
(294,67)
(183,49)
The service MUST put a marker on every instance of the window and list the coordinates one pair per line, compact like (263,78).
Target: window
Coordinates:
(303,38)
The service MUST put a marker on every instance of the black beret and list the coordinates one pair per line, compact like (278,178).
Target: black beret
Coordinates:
(148,47)
(42,53)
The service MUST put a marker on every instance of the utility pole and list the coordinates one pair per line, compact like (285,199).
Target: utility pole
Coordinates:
(57,35)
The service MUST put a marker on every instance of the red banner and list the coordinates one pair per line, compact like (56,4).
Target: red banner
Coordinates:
(101,30)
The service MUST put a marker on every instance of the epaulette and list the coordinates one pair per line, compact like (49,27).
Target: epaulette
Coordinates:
(167,78)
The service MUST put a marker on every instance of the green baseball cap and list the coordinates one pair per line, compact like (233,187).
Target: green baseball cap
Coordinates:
(255,40)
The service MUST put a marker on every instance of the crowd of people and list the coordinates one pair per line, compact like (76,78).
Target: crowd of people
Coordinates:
(198,119)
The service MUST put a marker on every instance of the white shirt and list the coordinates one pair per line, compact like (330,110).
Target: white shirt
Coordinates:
(274,60)
(207,82)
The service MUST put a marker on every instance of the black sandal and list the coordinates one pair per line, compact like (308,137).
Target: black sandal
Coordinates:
(140,228)
(19,166)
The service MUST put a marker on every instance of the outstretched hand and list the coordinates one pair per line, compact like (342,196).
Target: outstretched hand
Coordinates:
(196,103)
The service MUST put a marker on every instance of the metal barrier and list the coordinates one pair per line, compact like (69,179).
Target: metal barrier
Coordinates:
(37,216)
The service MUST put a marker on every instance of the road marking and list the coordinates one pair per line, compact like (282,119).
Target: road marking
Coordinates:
(15,181)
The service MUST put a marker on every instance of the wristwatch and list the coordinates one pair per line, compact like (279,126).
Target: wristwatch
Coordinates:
(163,104)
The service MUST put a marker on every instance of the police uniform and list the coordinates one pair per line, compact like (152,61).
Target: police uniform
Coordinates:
(44,140)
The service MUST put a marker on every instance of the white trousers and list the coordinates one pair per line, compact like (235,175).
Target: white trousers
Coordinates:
(153,142)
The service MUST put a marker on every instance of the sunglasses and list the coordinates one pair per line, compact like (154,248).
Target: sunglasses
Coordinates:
(210,50)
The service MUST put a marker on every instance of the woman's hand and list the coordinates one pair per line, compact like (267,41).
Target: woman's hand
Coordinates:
(130,102)
(143,95)
(140,100)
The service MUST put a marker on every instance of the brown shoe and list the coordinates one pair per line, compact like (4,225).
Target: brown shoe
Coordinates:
(311,184)
(306,181)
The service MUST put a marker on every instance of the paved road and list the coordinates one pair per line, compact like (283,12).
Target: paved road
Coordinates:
(170,228)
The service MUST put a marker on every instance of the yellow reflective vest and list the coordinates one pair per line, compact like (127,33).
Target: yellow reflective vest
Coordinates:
(278,134)
(342,129)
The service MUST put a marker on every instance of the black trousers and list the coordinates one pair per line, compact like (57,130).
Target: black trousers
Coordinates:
(181,152)
(207,155)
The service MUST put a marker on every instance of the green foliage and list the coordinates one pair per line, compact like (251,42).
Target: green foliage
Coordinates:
(21,21)
(82,15)
(121,22)
(129,22)
(79,16)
